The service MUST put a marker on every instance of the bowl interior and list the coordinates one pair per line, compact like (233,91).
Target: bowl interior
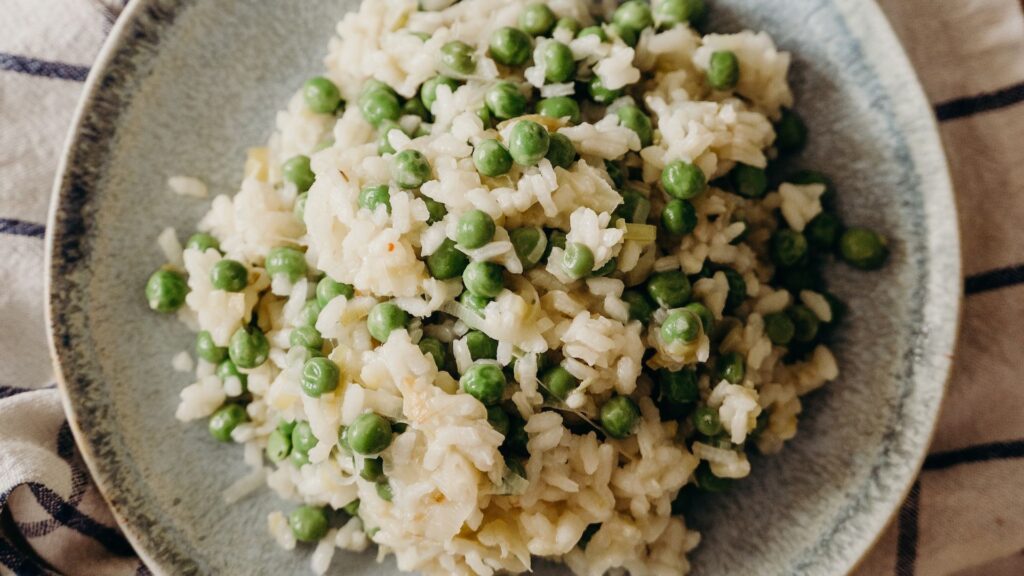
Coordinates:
(187,86)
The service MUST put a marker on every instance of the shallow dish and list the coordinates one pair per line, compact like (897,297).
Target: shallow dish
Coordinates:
(185,87)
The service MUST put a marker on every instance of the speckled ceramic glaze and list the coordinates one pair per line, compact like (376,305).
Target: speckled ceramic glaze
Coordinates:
(183,87)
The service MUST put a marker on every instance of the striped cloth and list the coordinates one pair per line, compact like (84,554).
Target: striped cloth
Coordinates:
(965,514)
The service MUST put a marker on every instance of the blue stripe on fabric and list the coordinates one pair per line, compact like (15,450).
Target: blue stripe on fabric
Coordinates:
(15,227)
(18,561)
(907,532)
(976,453)
(994,279)
(73,518)
(43,68)
(963,107)
(8,391)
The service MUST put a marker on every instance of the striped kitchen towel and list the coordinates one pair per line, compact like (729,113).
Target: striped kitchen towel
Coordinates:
(965,514)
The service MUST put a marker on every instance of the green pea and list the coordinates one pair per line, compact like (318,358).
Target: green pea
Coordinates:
(447,261)
(640,306)
(303,439)
(491,158)
(707,319)
(510,46)
(537,19)
(593,31)
(227,369)
(481,346)
(679,217)
(319,376)
(577,261)
(327,289)
(415,107)
(296,170)
(683,180)
(298,458)
(370,197)
(166,291)
(863,248)
(823,231)
(568,26)
(384,318)
(483,279)
(485,116)
(309,314)
(670,289)
(680,326)
(352,508)
(628,36)
(748,181)
(504,100)
(435,210)
(672,12)
(731,368)
(279,446)
(634,14)
(379,103)
(601,95)
(789,248)
(528,142)
(369,434)
(299,209)
(804,177)
(556,239)
(321,95)
(708,482)
(286,427)
(560,107)
(286,261)
(559,65)
(706,421)
(723,70)
(428,91)
(805,323)
(790,132)
(458,58)
(559,382)
(633,118)
(208,350)
(384,491)
(615,173)
(635,207)
(308,523)
(498,419)
(306,337)
(529,244)
(474,302)
(679,387)
(608,268)
(373,469)
(474,229)
(226,419)
(202,241)
(229,275)
(485,382)
(779,328)
(383,143)
(561,152)
(737,289)
(410,169)
(248,347)
(619,417)
(435,349)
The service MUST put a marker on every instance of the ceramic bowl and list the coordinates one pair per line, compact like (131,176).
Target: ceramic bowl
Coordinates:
(183,87)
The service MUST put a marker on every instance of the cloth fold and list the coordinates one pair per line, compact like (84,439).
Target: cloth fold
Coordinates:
(965,515)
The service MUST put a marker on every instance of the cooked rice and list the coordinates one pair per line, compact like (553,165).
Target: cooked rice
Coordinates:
(458,508)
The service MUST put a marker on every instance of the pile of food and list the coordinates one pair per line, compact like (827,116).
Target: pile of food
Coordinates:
(514,280)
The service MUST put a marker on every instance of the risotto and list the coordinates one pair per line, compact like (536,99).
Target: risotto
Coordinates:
(514,280)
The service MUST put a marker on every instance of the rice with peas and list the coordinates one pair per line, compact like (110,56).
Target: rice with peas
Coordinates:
(509,283)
